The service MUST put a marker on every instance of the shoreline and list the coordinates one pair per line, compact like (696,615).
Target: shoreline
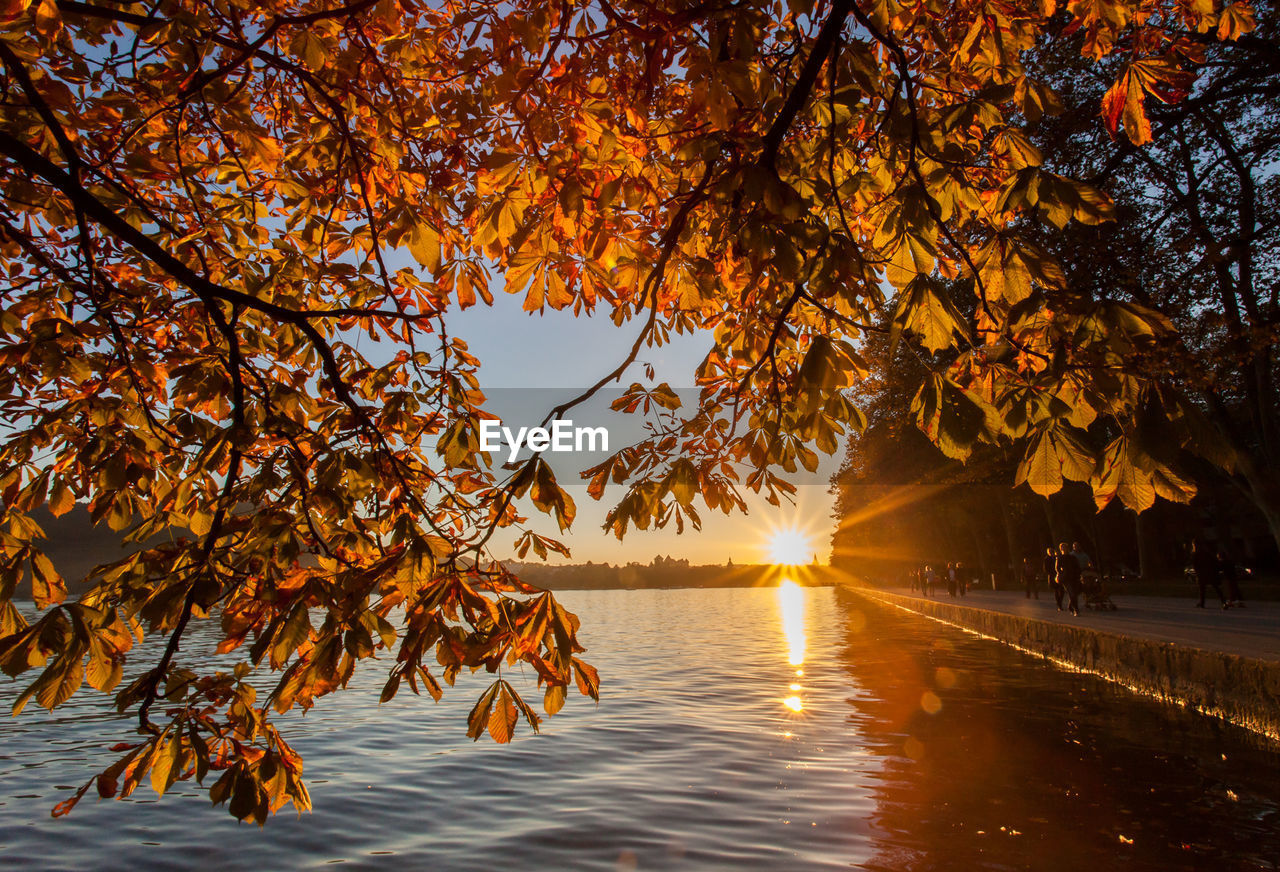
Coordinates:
(1241,690)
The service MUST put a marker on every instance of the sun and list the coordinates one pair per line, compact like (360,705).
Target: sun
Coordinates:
(790,547)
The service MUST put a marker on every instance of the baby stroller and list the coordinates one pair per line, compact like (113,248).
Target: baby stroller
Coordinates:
(1095,593)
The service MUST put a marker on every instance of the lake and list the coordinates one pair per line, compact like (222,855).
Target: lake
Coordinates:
(738,729)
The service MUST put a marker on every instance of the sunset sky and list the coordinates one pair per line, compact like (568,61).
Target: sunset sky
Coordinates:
(535,361)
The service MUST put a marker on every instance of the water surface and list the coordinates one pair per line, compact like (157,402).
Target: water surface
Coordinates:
(746,729)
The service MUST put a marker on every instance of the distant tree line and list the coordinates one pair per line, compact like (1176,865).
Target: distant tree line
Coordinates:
(664,573)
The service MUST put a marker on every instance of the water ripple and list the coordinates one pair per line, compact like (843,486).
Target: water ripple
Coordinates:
(909,747)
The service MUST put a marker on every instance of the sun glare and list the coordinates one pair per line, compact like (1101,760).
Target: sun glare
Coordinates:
(790,547)
(791,603)
(791,607)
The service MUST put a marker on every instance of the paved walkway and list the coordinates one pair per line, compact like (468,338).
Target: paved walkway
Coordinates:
(1253,631)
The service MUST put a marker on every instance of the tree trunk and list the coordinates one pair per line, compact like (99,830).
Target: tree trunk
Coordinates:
(1016,549)
(1050,519)
(1255,478)
(1265,492)
(978,535)
(1146,548)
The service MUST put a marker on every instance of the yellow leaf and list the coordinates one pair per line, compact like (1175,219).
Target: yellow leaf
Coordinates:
(502,719)
(553,699)
(424,245)
(61,500)
(166,768)
(64,678)
(47,587)
(103,672)
(534,300)
(924,310)
(558,294)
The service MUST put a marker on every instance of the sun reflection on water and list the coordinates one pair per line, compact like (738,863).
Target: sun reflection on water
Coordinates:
(791,604)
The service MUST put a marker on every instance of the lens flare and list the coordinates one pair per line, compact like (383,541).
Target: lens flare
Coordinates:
(790,547)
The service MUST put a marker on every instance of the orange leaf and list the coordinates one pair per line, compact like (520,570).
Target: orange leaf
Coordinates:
(1236,20)
(1136,124)
(1113,104)
(502,718)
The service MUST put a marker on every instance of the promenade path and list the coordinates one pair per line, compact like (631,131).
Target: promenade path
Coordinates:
(1253,631)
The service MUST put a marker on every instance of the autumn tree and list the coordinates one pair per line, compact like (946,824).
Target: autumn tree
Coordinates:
(208,205)
(1196,231)
(902,500)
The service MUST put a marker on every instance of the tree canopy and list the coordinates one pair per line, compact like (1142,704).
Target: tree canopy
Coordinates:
(206,206)
(1198,216)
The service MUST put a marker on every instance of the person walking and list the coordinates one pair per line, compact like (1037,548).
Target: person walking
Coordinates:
(1205,563)
(1029,578)
(951,580)
(1230,573)
(1078,552)
(1069,577)
(1051,574)
(962,578)
(930,579)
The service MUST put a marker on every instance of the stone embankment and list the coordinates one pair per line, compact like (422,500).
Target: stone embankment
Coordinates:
(1242,688)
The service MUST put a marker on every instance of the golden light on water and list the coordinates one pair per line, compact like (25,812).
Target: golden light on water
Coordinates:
(791,606)
(791,602)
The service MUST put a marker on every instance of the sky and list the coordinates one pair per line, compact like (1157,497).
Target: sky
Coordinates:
(531,361)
